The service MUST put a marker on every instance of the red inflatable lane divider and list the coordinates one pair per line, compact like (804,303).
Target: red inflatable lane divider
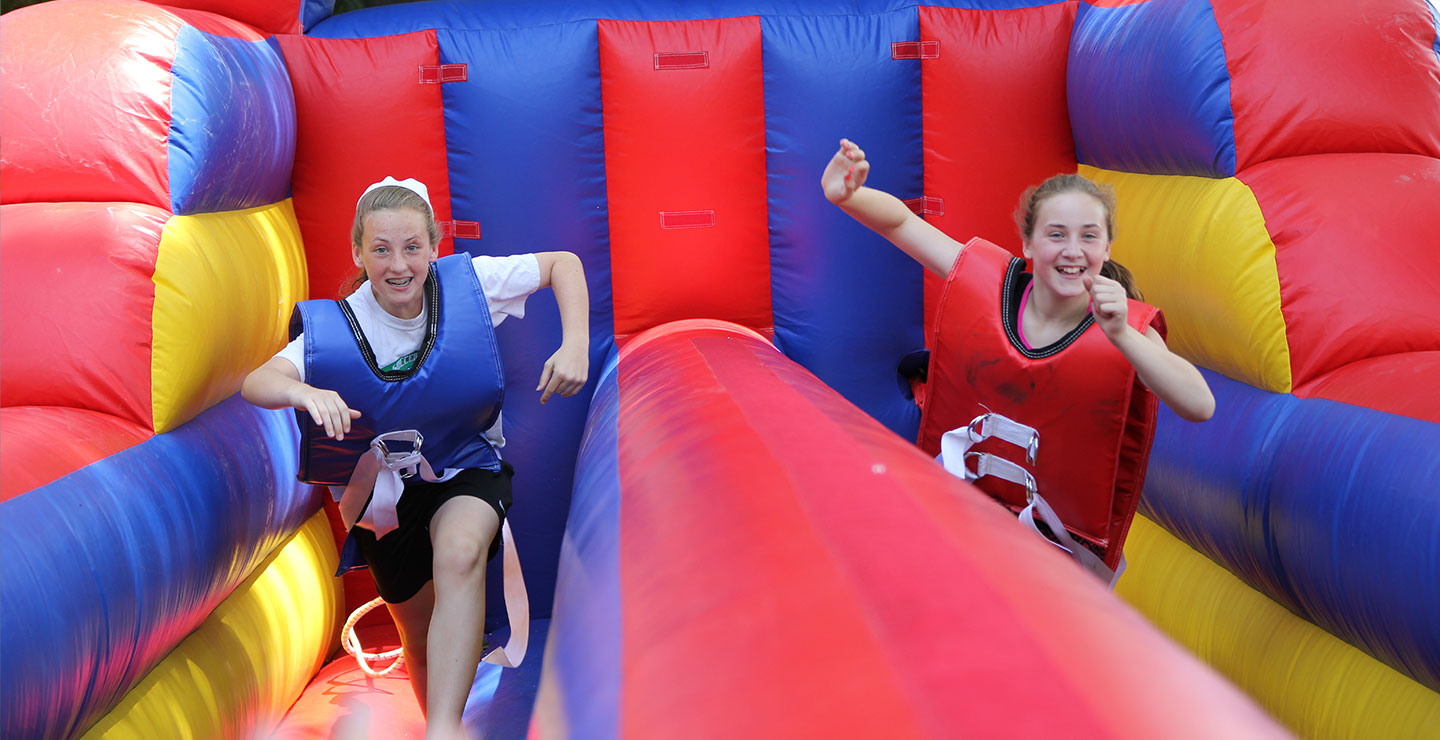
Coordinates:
(790,568)
(684,114)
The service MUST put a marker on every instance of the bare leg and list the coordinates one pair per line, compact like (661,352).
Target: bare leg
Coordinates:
(412,618)
(460,533)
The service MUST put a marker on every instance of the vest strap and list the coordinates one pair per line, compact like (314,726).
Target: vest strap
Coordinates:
(1079,553)
(991,424)
(382,471)
(379,480)
(517,605)
(955,448)
(956,456)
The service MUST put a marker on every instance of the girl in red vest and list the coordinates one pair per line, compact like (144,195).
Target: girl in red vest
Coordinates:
(1029,345)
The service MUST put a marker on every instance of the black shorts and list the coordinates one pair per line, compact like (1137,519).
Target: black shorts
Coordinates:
(402,560)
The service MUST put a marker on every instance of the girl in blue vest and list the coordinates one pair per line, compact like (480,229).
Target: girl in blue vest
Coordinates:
(413,347)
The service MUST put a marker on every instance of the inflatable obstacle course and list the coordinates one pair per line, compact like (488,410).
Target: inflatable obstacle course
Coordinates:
(1274,162)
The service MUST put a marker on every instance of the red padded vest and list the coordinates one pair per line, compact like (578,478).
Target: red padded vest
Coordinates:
(1095,419)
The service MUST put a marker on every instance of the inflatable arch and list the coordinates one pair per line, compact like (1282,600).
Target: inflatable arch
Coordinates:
(728,534)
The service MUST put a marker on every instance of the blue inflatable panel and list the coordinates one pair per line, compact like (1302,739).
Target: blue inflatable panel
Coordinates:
(1149,91)
(501,700)
(583,652)
(510,14)
(1328,508)
(827,272)
(523,133)
(105,570)
(314,11)
(1435,14)
(232,124)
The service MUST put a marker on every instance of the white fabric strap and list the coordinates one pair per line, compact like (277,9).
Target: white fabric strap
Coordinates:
(998,467)
(991,424)
(517,605)
(1078,552)
(379,479)
(955,449)
(955,443)
(383,472)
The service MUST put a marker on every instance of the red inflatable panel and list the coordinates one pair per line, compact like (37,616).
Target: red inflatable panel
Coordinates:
(92,120)
(995,118)
(1355,281)
(1399,384)
(1369,82)
(362,113)
(342,702)
(685,171)
(40,444)
(271,16)
(106,252)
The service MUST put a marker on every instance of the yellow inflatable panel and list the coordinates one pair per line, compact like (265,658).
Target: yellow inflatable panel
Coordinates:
(239,672)
(1310,680)
(225,284)
(1200,251)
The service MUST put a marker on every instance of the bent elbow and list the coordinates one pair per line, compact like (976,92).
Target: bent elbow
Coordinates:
(1200,411)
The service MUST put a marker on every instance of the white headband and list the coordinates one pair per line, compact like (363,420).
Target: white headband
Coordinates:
(411,184)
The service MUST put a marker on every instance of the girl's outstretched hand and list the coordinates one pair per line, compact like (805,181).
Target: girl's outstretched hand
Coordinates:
(845,173)
(564,373)
(1108,303)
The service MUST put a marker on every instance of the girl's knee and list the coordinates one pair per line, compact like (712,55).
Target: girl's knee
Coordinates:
(460,557)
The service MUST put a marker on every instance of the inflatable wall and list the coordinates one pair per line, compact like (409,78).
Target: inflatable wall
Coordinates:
(163,572)
(732,500)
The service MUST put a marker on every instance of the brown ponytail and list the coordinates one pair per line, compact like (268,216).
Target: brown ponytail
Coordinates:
(1121,274)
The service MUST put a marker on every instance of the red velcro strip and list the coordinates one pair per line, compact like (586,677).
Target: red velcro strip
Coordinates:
(434,74)
(460,229)
(687,219)
(925,205)
(915,50)
(682,60)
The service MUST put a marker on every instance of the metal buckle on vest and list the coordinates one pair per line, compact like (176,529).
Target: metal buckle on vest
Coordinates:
(999,467)
(406,460)
(965,465)
(979,431)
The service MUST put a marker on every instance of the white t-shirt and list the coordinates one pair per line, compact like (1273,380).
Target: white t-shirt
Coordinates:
(506,282)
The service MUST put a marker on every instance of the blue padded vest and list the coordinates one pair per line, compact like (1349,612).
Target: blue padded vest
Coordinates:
(452,394)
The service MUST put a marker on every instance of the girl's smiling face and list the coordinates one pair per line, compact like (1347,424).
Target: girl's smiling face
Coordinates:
(395,252)
(1069,242)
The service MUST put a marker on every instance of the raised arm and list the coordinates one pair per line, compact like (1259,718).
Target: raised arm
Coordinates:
(276,385)
(566,370)
(844,184)
(1169,376)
